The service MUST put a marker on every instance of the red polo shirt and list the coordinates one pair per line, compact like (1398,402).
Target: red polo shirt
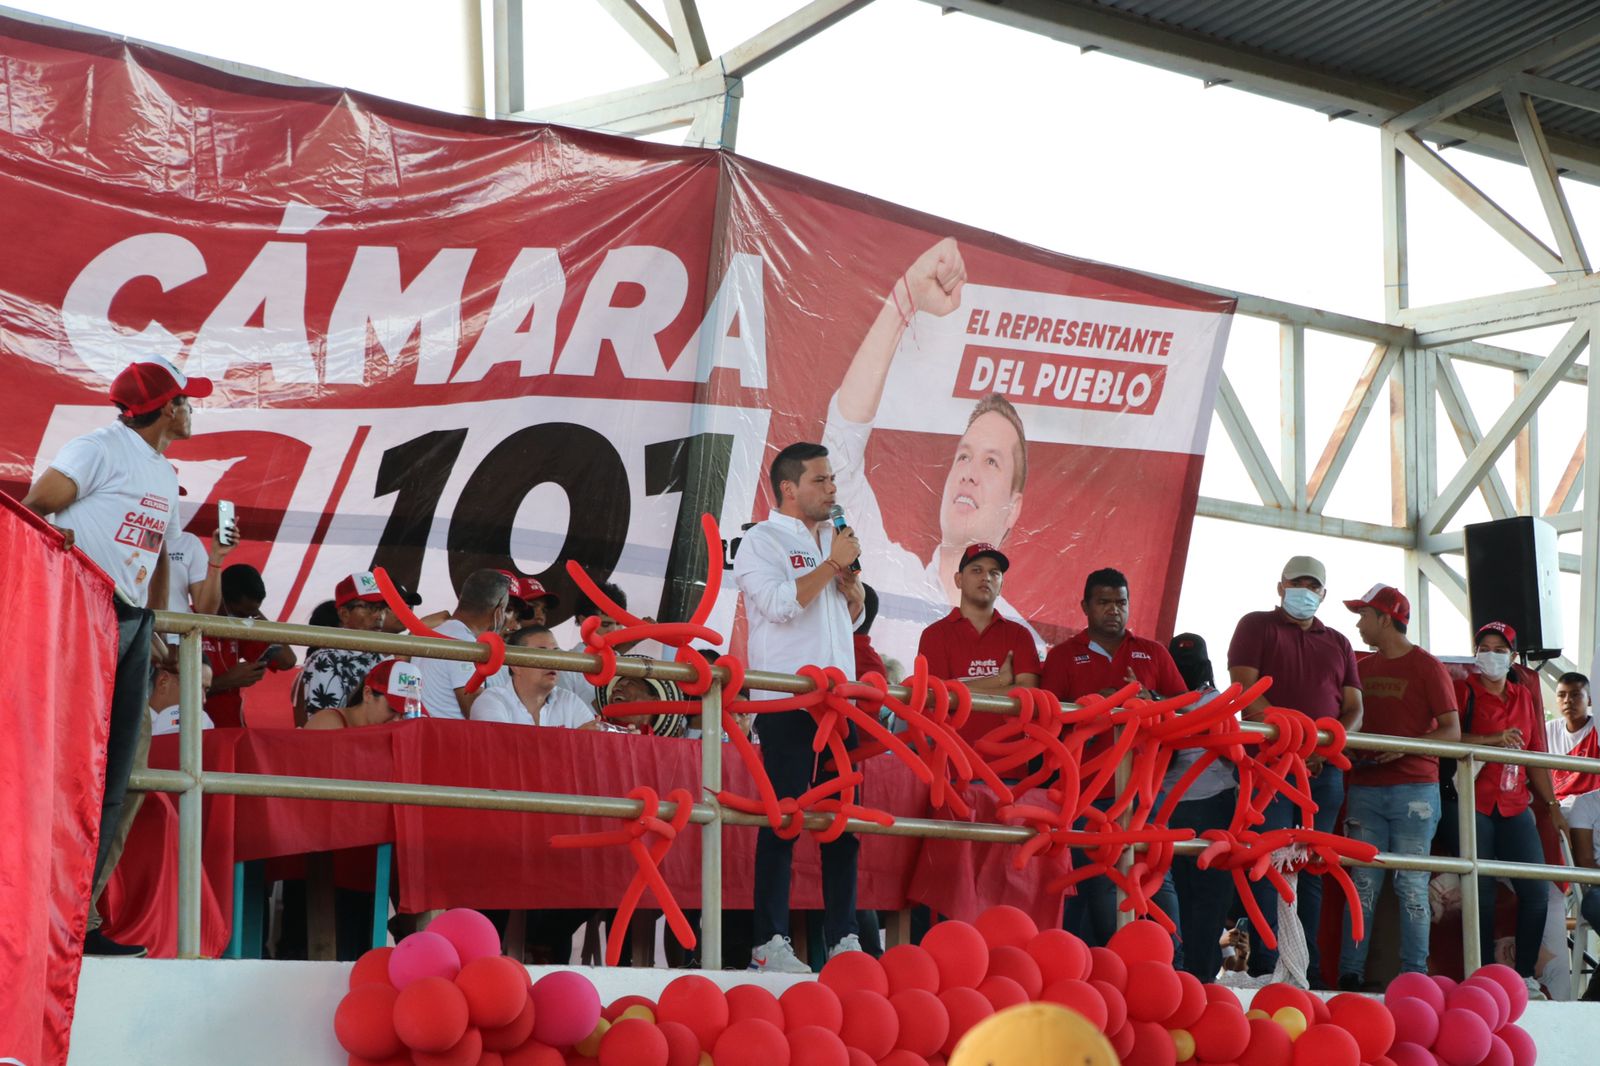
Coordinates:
(1489,713)
(956,651)
(1310,668)
(1074,668)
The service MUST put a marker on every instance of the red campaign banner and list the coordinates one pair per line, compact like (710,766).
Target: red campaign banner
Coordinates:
(60,638)
(445,343)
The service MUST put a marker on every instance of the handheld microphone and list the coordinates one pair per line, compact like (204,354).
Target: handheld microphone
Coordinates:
(837,515)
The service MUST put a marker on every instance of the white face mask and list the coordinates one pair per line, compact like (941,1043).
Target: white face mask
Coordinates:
(1300,604)
(1494,665)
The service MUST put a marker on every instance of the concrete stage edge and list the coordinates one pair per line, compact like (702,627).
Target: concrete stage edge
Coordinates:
(144,1012)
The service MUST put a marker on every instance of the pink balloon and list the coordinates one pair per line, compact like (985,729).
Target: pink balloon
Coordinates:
(1478,1001)
(1415,986)
(422,955)
(1523,1051)
(1515,987)
(1445,983)
(1414,1019)
(1411,1055)
(473,935)
(1502,1001)
(1463,1038)
(565,1008)
(1499,1053)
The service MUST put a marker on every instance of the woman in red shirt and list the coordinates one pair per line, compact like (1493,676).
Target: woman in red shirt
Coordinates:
(1497,710)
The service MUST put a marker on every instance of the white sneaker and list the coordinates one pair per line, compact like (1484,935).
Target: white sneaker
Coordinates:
(850,942)
(777,956)
(1535,990)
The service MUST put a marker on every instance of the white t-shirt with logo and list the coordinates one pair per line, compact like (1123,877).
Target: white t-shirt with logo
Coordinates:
(441,677)
(127,494)
(1561,742)
(562,709)
(164,722)
(187,564)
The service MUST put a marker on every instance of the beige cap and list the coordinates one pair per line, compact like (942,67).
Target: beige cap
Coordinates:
(1305,566)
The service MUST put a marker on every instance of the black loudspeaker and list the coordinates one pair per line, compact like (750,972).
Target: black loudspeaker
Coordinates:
(1513,576)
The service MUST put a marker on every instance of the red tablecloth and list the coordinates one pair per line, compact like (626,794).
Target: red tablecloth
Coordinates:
(448,857)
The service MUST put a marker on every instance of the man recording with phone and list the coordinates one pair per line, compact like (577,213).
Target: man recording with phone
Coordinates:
(801,598)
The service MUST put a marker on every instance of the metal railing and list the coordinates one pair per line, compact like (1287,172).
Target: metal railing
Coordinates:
(191,781)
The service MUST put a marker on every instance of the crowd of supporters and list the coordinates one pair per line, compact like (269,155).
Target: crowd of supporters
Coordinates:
(806,602)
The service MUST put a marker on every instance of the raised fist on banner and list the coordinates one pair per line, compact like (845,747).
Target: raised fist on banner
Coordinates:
(935,279)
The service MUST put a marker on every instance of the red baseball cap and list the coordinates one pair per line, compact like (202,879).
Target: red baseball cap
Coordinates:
(392,677)
(979,550)
(145,386)
(527,589)
(1502,628)
(1385,599)
(358,586)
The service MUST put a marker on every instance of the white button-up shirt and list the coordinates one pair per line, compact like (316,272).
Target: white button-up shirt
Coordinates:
(785,636)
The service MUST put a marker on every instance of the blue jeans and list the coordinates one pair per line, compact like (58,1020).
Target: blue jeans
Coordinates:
(1091,913)
(1204,896)
(1399,819)
(1513,839)
(1327,792)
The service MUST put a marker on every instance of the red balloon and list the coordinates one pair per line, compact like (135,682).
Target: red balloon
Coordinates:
(853,970)
(1019,966)
(492,1058)
(1415,1020)
(1516,989)
(1275,997)
(466,1052)
(1463,1038)
(1116,1006)
(1326,1045)
(1106,965)
(909,966)
(566,1008)
(533,1053)
(1060,955)
(1152,1046)
(1154,990)
(1002,992)
(496,989)
(575,1059)
(870,1023)
(1221,1034)
(1421,986)
(401,1059)
(683,1048)
(622,1003)
(1122,1041)
(1502,1001)
(514,1035)
(1366,1019)
(470,932)
(1142,941)
(373,967)
(430,1014)
(960,952)
(965,1009)
(1192,1002)
(363,1023)
(859,1057)
(753,1001)
(698,1003)
(1320,1014)
(811,1003)
(1478,1000)
(1523,1051)
(924,1023)
(812,1045)
(753,1042)
(898,1057)
(1269,1044)
(1407,1054)
(1079,996)
(1006,926)
(633,1042)
(1224,995)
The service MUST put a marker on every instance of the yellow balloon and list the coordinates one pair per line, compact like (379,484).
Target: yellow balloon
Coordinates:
(1253,1013)
(590,1045)
(1184,1043)
(1034,1034)
(640,1011)
(1292,1020)
(705,1059)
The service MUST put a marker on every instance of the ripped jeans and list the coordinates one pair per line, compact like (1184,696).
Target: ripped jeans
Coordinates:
(1399,819)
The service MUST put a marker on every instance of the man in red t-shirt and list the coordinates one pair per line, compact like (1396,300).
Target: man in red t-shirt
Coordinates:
(238,664)
(1392,800)
(977,645)
(1100,659)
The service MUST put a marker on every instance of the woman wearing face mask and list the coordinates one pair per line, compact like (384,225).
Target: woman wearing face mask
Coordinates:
(1497,710)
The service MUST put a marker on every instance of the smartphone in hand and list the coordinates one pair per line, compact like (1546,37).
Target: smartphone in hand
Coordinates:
(227,531)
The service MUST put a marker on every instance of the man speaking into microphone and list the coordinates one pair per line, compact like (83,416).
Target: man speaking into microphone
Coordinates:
(801,595)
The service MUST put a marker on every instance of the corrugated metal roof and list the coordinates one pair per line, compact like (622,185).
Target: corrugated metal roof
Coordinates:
(1367,60)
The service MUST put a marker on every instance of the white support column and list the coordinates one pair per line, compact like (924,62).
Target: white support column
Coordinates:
(1396,268)
(1536,153)
(1589,579)
(1459,410)
(1527,456)
(1292,412)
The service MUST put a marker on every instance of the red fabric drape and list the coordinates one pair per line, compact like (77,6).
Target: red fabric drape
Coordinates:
(59,636)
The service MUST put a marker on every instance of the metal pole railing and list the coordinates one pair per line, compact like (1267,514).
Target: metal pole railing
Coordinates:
(190,781)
